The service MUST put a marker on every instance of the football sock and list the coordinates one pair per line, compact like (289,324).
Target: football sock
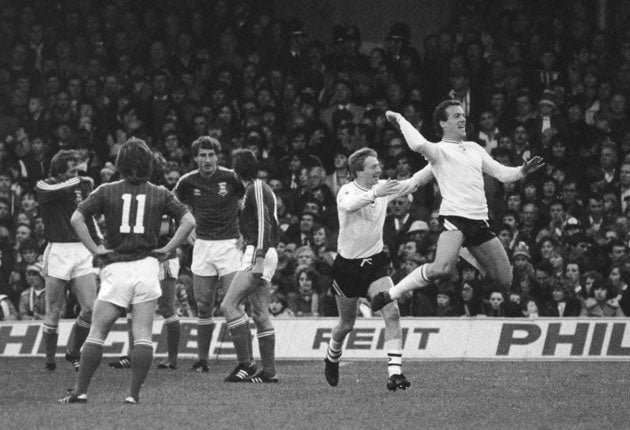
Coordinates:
(267,348)
(333,353)
(394,355)
(205,327)
(141,357)
(251,340)
(91,356)
(51,336)
(240,337)
(416,279)
(129,333)
(80,331)
(173,330)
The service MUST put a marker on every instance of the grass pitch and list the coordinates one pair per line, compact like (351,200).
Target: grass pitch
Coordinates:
(443,395)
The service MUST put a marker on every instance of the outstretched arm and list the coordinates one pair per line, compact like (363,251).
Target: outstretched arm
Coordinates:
(421,178)
(351,202)
(509,174)
(414,139)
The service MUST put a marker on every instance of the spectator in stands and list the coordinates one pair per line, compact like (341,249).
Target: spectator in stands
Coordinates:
(530,307)
(341,175)
(563,302)
(306,302)
(278,306)
(324,245)
(496,306)
(601,302)
(471,300)
(33,299)
(445,302)
(302,233)
(590,278)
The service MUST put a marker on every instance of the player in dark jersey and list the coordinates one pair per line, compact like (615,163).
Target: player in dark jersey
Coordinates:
(169,270)
(133,210)
(259,227)
(66,258)
(213,193)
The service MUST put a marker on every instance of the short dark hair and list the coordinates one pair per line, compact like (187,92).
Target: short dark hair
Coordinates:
(439,114)
(205,142)
(59,163)
(135,160)
(245,164)
(357,158)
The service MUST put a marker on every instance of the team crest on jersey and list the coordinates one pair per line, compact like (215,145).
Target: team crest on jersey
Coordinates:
(197,192)
(78,196)
(223,189)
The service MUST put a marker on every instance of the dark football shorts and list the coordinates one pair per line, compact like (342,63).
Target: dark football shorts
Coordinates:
(476,231)
(352,278)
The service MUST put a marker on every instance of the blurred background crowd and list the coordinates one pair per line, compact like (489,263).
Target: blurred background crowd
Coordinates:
(534,79)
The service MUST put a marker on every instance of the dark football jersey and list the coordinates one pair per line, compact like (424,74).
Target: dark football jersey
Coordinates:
(214,202)
(133,216)
(259,220)
(57,202)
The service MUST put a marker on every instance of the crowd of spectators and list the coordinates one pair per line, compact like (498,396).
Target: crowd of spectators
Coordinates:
(533,80)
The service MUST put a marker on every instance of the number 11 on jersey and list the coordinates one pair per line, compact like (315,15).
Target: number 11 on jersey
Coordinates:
(138,228)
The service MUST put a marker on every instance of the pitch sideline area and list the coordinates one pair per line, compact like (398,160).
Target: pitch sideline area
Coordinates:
(444,395)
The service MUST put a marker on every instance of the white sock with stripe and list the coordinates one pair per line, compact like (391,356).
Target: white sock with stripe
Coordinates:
(333,353)
(416,279)
(394,355)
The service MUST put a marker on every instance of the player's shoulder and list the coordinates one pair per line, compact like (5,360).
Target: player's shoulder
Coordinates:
(225,170)
(160,189)
(189,176)
(87,180)
(472,144)
(109,185)
(223,173)
(50,184)
(350,188)
(264,186)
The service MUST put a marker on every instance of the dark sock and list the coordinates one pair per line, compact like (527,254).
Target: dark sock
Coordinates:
(267,348)
(80,331)
(173,330)
(205,326)
(90,359)
(240,337)
(129,335)
(251,340)
(51,336)
(141,357)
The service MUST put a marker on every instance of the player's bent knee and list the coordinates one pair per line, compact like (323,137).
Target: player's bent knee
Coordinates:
(230,311)
(167,310)
(441,270)
(263,322)
(204,310)
(86,314)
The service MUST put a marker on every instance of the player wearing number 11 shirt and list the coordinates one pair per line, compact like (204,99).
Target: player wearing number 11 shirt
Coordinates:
(133,210)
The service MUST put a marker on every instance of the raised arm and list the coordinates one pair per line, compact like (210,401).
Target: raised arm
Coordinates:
(414,139)
(48,192)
